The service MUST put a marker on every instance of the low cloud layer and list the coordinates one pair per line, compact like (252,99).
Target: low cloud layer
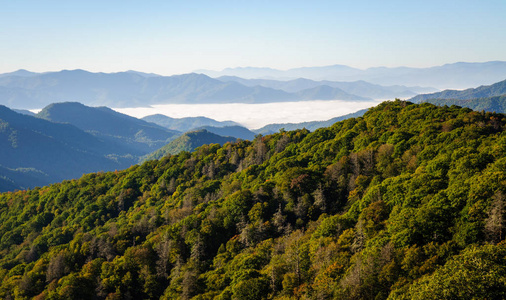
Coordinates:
(254,116)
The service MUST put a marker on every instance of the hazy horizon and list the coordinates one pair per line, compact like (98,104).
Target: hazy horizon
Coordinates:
(254,67)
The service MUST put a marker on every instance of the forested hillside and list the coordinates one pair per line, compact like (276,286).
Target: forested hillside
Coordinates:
(406,202)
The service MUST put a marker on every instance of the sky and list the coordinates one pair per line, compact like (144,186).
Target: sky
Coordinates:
(175,37)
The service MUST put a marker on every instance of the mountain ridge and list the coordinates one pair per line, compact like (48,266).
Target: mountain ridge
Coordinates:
(137,136)
(129,89)
(453,75)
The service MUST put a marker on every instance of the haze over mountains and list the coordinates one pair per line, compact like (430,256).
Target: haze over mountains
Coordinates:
(359,88)
(65,140)
(134,89)
(23,89)
(456,75)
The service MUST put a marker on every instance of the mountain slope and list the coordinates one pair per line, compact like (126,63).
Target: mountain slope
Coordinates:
(496,89)
(136,137)
(189,142)
(359,88)
(369,208)
(31,147)
(129,89)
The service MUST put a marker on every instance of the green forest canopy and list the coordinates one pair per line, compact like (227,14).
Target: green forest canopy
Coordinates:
(406,202)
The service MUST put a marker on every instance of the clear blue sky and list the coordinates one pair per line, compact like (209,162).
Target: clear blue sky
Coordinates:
(171,37)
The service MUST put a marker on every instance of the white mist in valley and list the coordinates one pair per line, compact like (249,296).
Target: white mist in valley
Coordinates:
(254,116)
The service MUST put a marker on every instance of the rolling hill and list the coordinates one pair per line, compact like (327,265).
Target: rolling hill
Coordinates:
(134,136)
(34,151)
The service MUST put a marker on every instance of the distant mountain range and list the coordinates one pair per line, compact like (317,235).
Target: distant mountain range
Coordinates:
(456,75)
(496,89)
(359,88)
(25,90)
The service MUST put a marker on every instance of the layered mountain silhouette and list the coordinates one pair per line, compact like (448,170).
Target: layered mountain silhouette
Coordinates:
(136,137)
(359,88)
(456,75)
(132,89)
(66,140)
(35,151)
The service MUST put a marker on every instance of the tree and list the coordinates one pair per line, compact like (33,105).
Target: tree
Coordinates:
(494,224)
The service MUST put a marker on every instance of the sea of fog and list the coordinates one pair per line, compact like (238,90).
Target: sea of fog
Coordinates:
(254,116)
